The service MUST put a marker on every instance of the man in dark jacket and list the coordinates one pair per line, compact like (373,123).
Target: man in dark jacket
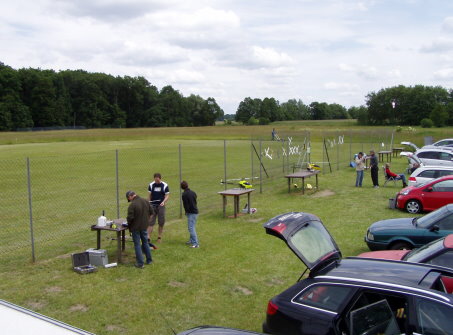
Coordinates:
(138,214)
(189,200)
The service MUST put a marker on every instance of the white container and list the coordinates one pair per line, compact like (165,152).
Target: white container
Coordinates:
(102,221)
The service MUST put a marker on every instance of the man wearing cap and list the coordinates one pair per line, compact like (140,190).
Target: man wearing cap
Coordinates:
(138,214)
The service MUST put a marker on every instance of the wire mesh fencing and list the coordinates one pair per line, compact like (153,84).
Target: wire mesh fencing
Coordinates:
(48,203)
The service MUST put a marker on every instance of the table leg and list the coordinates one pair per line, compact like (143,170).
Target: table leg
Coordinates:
(98,239)
(118,242)
(224,200)
(316,175)
(289,185)
(248,203)
(236,206)
(303,185)
(123,240)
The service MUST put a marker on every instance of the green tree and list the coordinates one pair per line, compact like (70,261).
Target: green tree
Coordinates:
(439,116)
(247,108)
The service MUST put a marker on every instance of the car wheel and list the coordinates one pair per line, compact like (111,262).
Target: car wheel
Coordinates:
(413,206)
(401,246)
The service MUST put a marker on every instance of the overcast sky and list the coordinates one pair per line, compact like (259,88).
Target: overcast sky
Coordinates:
(334,51)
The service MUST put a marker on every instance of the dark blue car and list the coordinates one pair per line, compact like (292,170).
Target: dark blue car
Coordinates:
(354,295)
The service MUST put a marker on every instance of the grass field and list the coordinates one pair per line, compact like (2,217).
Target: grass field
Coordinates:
(227,282)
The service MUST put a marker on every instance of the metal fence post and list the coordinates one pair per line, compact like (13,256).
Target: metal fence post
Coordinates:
(283,157)
(261,168)
(225,164)
(251,160)
(117,186)
(180,180)
(30,209)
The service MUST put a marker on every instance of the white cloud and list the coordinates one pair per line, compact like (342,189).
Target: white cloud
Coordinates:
(444,74)
(440,44)
(447,25)
(362,70)
(340,86)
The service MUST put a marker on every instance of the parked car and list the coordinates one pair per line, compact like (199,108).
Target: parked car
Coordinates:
(427,173)
(438,252)
(433,156)
(446,142)
(355,295)
(214,330)
(409,233)
(426,196)
(18,320)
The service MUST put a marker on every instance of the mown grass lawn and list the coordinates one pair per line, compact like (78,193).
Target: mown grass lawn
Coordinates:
(227,282)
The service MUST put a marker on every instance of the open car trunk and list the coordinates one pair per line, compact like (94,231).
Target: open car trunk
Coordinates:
(307,237)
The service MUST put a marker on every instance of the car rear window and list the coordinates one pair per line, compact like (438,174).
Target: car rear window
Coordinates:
(324,296)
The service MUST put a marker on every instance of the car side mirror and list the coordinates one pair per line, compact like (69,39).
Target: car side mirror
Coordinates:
(429,189)
(434,228)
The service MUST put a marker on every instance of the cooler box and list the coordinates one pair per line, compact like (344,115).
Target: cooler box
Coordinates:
(392,203)
(98,257)
(81,263)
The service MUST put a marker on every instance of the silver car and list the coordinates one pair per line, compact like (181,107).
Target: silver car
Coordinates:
(427,173)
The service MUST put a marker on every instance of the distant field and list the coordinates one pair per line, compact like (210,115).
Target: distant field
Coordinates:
(238,267)
(220,131)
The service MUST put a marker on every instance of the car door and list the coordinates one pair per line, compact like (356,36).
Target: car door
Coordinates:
(375,311)
(433,317)
(429,158)
(437,194)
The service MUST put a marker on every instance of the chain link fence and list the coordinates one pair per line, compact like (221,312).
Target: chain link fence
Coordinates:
(48,203)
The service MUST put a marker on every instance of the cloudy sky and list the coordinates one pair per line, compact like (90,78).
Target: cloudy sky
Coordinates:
(333,51)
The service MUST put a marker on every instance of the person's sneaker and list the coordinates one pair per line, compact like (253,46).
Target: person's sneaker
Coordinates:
(138,266)
(376,186)
(189,243)
(149,262)
(194,246)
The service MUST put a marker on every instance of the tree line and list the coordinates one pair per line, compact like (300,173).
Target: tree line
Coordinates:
(31,98)
(390,106)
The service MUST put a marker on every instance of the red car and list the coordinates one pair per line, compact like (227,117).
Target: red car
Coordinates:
(438,252)
(426,196)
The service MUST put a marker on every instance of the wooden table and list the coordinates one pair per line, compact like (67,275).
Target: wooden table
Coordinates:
(236,193)
(388,154)
(397,151)
(120,237)
(302,175)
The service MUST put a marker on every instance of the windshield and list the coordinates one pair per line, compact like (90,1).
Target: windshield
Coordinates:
(428,219)
(312,242)
(420,254)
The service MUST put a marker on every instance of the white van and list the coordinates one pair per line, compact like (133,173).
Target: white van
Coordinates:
(427,173)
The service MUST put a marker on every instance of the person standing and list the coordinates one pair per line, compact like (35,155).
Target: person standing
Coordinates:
(158,194)
(189,200)
(138,214)
(359,167)
(374,167)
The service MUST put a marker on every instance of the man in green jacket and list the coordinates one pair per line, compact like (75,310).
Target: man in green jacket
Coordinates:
(138,214)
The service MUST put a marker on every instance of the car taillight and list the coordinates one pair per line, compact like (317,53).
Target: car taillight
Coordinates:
(412,179)
(271,308)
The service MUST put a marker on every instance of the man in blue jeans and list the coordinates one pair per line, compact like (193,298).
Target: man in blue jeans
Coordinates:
(138,214)
(189,200)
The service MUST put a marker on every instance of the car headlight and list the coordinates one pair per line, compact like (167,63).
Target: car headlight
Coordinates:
(405,192)
(370,236)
